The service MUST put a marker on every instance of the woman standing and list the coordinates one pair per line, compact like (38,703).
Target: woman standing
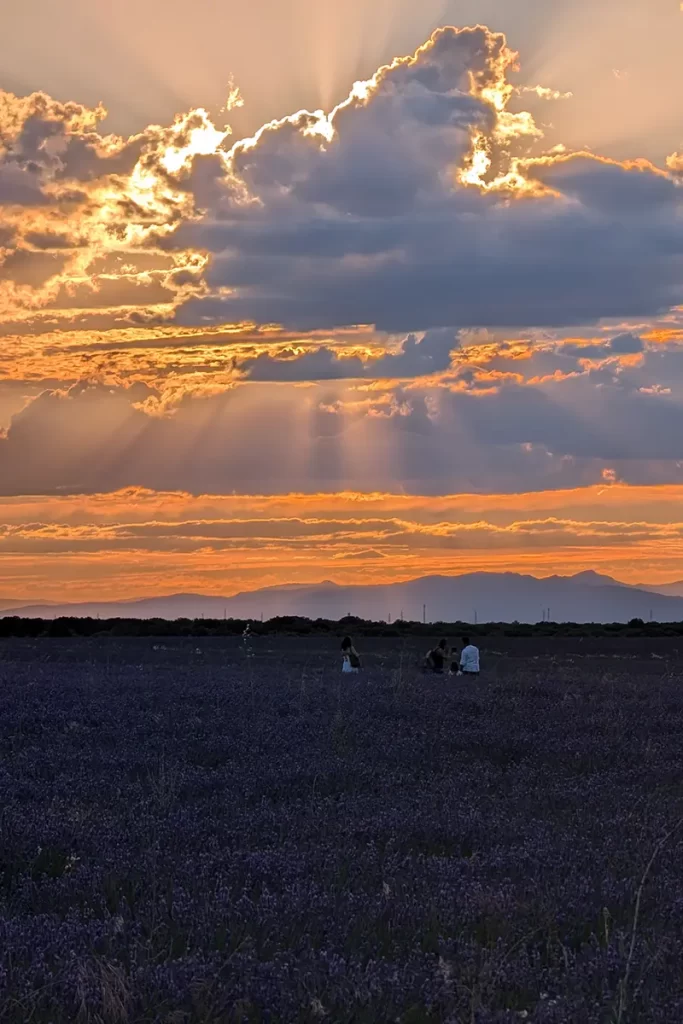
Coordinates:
(351,660)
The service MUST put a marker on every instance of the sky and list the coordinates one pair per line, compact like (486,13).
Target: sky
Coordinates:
(301,290)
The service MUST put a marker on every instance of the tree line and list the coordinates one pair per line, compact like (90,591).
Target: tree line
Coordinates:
(64,627)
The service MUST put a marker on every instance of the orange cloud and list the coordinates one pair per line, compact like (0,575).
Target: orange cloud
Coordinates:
(142,542)
(347,253)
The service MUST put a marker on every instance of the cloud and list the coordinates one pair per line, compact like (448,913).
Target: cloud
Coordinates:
(104,292)
(426,355)
(414,205)
(462,430)
(136,542)
(343,537)
(77,201)
(49,240)
(626,344)
(606,185)
(543,93)
(23,266)
(418,208)
(44,142)
(384,213)
(416,356)
(321,364)
(20,186)
(621,345)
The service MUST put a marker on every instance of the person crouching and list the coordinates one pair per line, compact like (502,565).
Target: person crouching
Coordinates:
(435,660)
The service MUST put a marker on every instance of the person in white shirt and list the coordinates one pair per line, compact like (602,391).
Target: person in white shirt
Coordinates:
(469,658)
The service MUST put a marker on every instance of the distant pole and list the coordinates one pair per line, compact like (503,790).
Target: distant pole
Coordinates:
(548,614)
(225,614)
(424,614)
(261,616)
(475,616)
(650,614)
(401,615)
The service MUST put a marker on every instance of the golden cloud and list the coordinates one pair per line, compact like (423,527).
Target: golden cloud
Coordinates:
(356,253)
(140,541)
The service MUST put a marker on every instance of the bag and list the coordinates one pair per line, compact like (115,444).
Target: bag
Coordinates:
(354,660)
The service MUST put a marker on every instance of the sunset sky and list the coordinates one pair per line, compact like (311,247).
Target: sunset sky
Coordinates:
(338,289)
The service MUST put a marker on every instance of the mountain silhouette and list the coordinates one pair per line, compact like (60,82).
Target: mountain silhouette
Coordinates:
(482,596)
(668,589)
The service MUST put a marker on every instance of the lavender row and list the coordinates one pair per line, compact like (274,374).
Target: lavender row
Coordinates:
(206,835)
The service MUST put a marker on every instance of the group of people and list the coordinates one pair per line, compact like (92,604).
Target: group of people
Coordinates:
(436,660)
(466,664)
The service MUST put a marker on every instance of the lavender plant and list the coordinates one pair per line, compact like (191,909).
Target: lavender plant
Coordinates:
(181,843)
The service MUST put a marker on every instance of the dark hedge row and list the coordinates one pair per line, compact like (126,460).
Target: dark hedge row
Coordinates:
(14,626)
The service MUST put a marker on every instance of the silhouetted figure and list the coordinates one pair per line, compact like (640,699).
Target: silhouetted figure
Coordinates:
(351,659)
(435,660)
(469,658)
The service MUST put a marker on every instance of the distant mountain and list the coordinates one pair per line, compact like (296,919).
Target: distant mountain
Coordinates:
(591,579)
(668,589)
(499,597)
(7,603)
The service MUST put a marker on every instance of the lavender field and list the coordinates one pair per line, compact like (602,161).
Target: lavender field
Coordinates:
(192,834)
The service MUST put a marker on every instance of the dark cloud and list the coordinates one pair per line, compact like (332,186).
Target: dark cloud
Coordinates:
(323,364)
(363,218)
(607,186)
(373,226)
(21,186)
(23,266)
(419,356)
(626,344)
(580,419)
(50,240)
(515,266)
(621,345)
(416,357)
(264,439)
(7,235)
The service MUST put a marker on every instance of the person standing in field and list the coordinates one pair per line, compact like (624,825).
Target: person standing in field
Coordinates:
(351,659)
(469,658)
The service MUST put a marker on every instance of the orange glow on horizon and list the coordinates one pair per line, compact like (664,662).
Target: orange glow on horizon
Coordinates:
(140,543)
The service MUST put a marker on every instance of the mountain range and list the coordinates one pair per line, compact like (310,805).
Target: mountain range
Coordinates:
(479,596)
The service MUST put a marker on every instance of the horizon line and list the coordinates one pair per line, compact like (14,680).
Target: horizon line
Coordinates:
(19,602)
